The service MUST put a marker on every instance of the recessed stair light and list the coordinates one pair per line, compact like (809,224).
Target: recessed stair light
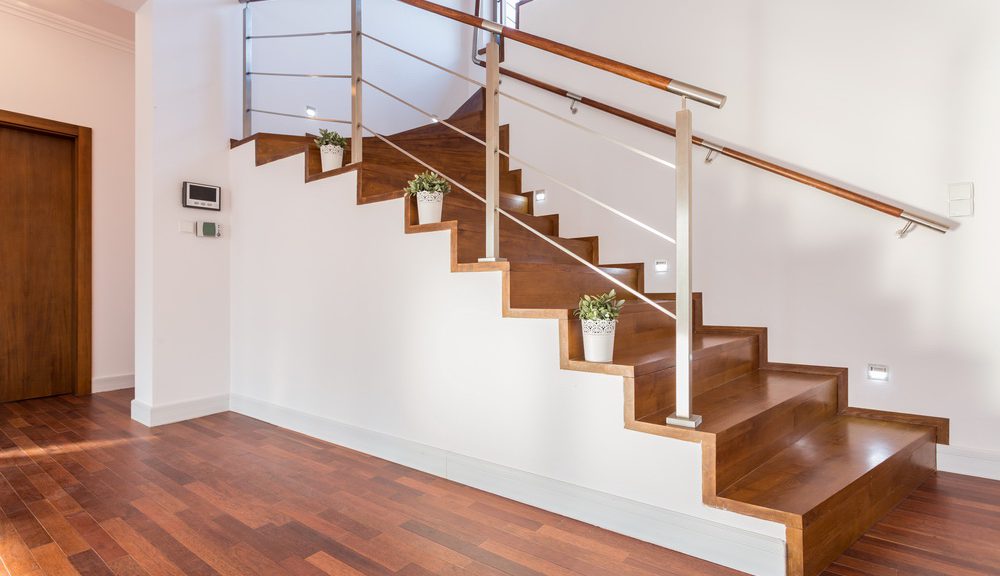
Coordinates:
(878,372)
(539,195)
(310,112)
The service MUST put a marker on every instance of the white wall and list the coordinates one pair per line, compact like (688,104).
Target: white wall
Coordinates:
(896,97)
(57,69)
(437,39)
(189,101)
(341,321)
(188,55)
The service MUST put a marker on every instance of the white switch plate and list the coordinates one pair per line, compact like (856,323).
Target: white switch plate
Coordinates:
(185,227)
(961,199)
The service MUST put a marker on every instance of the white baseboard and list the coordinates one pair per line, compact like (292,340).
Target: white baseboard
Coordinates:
(969,461)
(169,413)
(733,547)
(109,383)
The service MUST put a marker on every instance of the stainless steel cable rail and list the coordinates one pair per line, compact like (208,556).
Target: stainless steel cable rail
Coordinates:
(600,135)
(526,226)
(553,178)
(424,60)
(303,116)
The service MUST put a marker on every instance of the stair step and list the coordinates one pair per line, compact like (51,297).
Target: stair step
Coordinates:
(835,482)
(520,245)
(464,208)
(560,286)
(656,351)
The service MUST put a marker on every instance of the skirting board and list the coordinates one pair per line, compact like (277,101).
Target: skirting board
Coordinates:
(109,383)
(179,411)
(733,547)
(969,461)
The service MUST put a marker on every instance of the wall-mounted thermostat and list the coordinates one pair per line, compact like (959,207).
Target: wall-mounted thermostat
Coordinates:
(208,229)
(201,196)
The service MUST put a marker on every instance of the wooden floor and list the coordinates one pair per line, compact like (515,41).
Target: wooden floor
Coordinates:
(84,490)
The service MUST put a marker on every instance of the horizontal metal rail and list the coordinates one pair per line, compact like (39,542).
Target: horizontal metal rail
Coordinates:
(303,116)
(527,227)
(289,75)
(554,179)
(424,60)
(299,35)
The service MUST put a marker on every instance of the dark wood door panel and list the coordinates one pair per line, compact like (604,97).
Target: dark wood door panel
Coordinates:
(37,264)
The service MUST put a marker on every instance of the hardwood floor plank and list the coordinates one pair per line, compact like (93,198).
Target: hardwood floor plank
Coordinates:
(53,561)
(16,555)
(332,566)
(58,528)
(90,564)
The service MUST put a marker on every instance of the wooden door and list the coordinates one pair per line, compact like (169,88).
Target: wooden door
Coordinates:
(40,264)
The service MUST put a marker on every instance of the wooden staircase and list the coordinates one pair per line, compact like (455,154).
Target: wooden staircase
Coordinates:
(779,441)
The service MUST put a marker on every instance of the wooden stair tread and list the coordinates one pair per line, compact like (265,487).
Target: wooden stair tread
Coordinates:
(743,398)
(724,407)
(659,353)
(803,476)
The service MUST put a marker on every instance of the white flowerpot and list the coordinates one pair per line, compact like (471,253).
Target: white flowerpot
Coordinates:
(331,157)
(429,207)
(599,340)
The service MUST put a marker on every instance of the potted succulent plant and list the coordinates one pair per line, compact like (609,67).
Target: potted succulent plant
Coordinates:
(599,315)
(331,149)
(429,188)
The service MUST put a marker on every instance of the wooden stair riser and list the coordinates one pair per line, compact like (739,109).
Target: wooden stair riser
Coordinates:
(655,392)
(518,245)
(536,288)
(469,210)
(843,519)
(744,447)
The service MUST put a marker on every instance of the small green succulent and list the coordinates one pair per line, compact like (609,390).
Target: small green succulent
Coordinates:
(427,182)
(601,307)
(330,138)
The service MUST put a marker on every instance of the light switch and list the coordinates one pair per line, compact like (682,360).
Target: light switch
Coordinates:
(185,227)
(961,201)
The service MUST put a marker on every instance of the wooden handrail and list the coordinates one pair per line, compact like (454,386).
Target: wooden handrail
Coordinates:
(659,81)
(750,159)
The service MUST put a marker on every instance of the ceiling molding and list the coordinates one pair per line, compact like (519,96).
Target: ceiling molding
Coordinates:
(67,25)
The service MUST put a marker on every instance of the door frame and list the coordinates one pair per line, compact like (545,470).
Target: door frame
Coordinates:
(82,193)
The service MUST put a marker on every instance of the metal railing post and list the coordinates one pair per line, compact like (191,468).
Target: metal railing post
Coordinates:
(357,139)
(682,415)
(247,71)
(492,144)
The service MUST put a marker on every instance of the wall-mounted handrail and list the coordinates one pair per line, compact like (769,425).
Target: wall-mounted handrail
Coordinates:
(745,157)
(634,73)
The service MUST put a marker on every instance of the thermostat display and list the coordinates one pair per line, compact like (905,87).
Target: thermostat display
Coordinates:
(201,196)
(208,229)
